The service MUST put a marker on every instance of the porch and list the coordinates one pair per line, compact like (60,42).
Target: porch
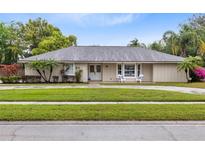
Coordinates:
(110,72)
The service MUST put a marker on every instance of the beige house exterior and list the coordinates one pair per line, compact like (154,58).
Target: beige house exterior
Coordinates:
(106,64)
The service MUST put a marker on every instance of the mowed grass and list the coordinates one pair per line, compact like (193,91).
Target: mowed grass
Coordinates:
(43,84)
(102,112)
(96,94)
(177,84)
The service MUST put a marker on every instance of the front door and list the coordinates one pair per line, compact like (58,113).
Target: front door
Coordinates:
(95,72)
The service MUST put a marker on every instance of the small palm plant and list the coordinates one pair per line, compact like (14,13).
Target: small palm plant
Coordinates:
(189,64)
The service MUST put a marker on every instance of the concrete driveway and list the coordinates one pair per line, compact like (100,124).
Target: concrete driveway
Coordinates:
(104,131)
(167,88)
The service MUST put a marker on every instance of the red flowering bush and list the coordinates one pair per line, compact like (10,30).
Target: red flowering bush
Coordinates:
(199,72)
(9,70)
(10,73)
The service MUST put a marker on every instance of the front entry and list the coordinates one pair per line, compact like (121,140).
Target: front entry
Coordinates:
(95,72)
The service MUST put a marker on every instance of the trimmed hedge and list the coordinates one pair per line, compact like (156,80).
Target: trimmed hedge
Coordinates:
(10,79)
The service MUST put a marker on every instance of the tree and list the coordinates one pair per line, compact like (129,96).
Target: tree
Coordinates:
(202,47)
(171,40)
(36,30)
(188,40)
(11,44)
(189,64)
(185,43)
(42,37)
(136,43)
(44,68)
(35,37)
(156,46)
(197,21)
(54,42)
(73,40)
(4,36)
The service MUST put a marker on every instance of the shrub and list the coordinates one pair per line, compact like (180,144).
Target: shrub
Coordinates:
(200,72)
(193,76)
(78,75)
(10,79)
(9,70)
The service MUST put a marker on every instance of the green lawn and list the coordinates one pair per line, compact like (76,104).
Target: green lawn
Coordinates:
(43,84)
(178,84)
(103,112)
(96,94)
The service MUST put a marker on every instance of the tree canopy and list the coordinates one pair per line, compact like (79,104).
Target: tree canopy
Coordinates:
(156,45)
(136,43)
(43,37)
(32,38)
(11,44)
(188,41)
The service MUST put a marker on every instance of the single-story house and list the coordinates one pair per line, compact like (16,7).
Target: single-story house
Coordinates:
(107,63)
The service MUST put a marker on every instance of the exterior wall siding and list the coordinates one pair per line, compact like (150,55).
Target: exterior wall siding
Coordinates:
(147,71)
(84,68)
(56,72)
(152,72)
(167,73)
(109,72)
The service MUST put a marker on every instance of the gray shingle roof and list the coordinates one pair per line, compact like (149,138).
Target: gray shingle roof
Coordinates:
(105,54)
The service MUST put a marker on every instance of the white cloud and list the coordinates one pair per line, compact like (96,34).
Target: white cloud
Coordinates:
(100,19)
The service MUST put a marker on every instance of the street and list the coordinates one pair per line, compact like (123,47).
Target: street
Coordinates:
(103,131)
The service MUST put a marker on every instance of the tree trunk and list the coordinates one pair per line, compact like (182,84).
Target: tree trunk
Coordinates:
(39,72)
(187,76)
(183,53)
(44,73)
(51,70)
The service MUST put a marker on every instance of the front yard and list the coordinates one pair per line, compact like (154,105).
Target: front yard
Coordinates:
(96,94)
(102,112)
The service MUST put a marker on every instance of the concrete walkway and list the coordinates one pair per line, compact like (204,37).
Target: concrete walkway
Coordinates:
(103,131)
(78,103)
(167,88)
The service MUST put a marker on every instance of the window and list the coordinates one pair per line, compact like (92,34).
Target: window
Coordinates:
(69,69)
(119,69)
(129,70)
(98,68)
(92,68)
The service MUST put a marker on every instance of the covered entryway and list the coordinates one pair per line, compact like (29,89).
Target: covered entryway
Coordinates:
(95,72)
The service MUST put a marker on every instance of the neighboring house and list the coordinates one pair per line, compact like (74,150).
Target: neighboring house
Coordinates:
(106,63)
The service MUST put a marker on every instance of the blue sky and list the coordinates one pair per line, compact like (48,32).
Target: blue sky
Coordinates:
(109,29)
